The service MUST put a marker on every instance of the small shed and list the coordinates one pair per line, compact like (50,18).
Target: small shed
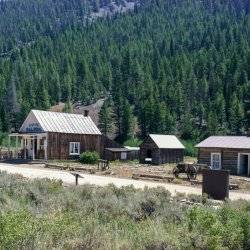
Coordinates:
(123,154)
(160,149)
(226,152)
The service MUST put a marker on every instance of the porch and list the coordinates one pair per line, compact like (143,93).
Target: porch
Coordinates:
(26,147)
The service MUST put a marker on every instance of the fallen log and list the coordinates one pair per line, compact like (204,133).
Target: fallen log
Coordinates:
(153,177)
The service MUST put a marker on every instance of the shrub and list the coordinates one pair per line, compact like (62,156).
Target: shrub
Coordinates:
(189,150)
(89,157)
(133,142)
(43,214)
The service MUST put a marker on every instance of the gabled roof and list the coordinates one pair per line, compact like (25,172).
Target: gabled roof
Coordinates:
(236,142)
(167,141)
(47,121)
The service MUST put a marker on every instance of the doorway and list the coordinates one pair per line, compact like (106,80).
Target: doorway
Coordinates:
(244,164)
(149,153)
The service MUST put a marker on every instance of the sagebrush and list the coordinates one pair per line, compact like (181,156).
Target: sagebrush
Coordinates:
(42,214)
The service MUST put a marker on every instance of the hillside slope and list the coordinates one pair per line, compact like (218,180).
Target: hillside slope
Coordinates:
(169,67)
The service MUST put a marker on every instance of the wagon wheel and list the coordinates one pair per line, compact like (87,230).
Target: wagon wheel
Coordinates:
(192,172)
(176,172)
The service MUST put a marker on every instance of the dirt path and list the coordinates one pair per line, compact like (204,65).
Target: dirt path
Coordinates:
(67,178)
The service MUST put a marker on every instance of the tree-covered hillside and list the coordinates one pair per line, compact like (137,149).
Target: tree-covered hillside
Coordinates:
(176,66)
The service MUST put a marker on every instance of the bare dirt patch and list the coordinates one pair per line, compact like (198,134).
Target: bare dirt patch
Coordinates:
(130,169)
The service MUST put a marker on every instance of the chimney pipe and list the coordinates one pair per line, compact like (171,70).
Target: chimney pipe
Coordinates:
(86,112)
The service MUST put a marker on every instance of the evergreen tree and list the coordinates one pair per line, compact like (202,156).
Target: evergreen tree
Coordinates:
(106,118)
(127,121)
(12,107)
(212,123)
(236,114)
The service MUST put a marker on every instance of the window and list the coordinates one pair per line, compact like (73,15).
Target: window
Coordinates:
(123,155)
(216,161)
(74,148)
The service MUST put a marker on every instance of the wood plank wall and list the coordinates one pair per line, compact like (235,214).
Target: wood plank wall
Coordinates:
(229,157)
(58,144)
(160,156)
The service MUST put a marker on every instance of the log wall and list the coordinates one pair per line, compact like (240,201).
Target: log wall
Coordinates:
(229,157)
(58,144)
(160,156)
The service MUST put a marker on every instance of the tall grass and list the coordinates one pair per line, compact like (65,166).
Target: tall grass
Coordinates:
(42,214)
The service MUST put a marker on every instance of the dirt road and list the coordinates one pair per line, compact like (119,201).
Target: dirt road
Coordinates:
(67,178)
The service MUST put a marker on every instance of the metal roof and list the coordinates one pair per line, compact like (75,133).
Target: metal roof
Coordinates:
(132,148)
(61,122)
(238,142)
(167,141)
(118,149)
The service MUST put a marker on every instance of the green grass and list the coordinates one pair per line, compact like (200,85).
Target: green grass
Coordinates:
(42,214)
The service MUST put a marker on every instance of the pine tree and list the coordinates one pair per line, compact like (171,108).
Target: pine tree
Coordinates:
(127,121)
(236,114)
(212,123)
(106,118)
(12,107)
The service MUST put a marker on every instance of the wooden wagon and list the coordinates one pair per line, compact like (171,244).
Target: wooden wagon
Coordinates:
(191,169)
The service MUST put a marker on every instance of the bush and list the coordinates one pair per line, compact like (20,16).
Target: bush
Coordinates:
(43,214)
(133,142)
(89,157)
(190,150)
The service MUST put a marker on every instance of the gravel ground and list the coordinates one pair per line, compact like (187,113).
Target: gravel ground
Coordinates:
(33,171)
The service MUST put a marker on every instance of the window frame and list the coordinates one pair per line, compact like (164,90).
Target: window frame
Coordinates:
(74,144)
(211,160)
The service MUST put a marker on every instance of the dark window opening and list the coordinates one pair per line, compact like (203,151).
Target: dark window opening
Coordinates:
(149,153)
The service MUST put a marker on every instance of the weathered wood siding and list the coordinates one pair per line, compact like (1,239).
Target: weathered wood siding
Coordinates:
(229,157)
(58,144)
(112,156)
(149,144)
(107,143)
(160,156)
(171,155)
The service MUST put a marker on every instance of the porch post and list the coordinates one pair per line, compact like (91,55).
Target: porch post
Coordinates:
(24,148)
(33,147)
(9,147)
(46,148)
(16,146)
(22,156)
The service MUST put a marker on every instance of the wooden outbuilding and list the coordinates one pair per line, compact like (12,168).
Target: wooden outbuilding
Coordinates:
(226,152)
(52,135)
(122,153)
(160,149)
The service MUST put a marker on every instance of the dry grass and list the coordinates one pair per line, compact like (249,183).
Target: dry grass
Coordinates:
(127,169)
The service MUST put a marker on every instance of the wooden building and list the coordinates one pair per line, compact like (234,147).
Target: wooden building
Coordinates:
(52,135)
(160,149)
(226,152)
(122,153)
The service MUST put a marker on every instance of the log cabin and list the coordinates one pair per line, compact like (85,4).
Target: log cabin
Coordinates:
(226,152)
(52,135)
(160,149)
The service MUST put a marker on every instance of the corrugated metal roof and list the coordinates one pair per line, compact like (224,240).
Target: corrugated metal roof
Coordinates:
(167,141)
(237,142)
(62,122)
